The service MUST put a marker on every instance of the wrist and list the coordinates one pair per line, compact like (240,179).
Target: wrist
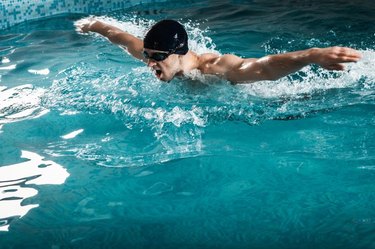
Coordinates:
(93,26)
(311,55)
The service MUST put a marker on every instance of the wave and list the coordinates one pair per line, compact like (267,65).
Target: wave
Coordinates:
(20,103)
(140,99)
(175,115)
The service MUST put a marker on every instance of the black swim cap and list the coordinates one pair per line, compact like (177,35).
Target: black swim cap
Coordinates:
(167,35)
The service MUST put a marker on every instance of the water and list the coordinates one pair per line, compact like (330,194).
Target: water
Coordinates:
(97,153)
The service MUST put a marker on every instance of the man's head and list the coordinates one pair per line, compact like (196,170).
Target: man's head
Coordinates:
(164,44)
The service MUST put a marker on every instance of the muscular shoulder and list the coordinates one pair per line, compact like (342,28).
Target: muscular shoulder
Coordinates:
(218,64)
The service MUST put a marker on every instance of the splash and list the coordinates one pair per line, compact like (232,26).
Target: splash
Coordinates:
(20,103)
(314,89)
(175,114)
(198,40)
(134,26)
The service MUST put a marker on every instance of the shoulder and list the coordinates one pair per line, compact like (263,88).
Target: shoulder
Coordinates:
(214,58)
(214,63)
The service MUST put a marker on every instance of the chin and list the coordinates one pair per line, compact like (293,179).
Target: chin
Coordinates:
(166,79)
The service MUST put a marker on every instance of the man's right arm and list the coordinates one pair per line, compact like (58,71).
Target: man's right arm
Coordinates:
(117,36)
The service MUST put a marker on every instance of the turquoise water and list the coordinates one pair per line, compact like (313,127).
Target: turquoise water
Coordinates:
(97,153)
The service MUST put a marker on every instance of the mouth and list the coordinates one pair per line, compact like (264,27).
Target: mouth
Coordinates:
(158,72)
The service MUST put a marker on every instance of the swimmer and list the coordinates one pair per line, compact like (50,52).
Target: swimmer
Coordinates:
(165,50)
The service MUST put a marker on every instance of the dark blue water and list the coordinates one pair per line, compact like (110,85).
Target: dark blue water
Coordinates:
(97,153)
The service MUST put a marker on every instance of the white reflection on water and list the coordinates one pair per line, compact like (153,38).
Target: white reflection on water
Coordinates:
(72,134)
(14,179)
(20,102)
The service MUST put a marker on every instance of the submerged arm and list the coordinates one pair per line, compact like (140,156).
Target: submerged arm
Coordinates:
(273,67)
(115,35)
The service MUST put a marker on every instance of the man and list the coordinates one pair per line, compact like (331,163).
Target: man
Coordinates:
(165,50)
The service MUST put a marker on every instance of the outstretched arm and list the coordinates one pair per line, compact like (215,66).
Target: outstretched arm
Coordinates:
(273,67)
(117,36)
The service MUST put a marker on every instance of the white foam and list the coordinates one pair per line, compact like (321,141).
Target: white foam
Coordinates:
(22,114)
(312,81)
(5,60)
(21,102)
(128,26)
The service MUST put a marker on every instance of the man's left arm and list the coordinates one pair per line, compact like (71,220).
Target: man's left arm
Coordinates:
(273,67)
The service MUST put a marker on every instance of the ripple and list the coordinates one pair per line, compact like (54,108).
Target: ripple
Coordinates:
(20,103)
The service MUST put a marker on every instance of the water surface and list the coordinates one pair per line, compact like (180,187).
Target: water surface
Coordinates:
(97,153)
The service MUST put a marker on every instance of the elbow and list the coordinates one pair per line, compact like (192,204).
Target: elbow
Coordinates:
(116,37)
(266,74)
(263,70)
(112,34)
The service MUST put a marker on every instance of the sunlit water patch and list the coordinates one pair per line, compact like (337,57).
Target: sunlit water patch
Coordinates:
(17,181)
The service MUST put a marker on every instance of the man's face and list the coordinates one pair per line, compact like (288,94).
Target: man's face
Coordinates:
(166,69)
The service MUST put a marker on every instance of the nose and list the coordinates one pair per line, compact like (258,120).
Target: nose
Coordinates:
(151,63)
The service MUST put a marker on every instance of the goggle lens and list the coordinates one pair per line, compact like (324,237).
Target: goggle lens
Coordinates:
(156,56)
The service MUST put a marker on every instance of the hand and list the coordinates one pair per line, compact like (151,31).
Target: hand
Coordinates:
(332,58)
(84,25)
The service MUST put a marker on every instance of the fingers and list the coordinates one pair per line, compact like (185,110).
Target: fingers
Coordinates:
(332,58)
(349,59)
(336,56)
(353,53)
(345,54)
(78,28)
(83,24)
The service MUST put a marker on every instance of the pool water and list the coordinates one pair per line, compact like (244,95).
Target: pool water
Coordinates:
(95,152)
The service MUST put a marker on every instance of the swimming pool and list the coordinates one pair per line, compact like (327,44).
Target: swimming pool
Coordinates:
(97,153)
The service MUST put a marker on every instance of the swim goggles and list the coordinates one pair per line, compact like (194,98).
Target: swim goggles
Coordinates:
(157,56)
(160,56)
